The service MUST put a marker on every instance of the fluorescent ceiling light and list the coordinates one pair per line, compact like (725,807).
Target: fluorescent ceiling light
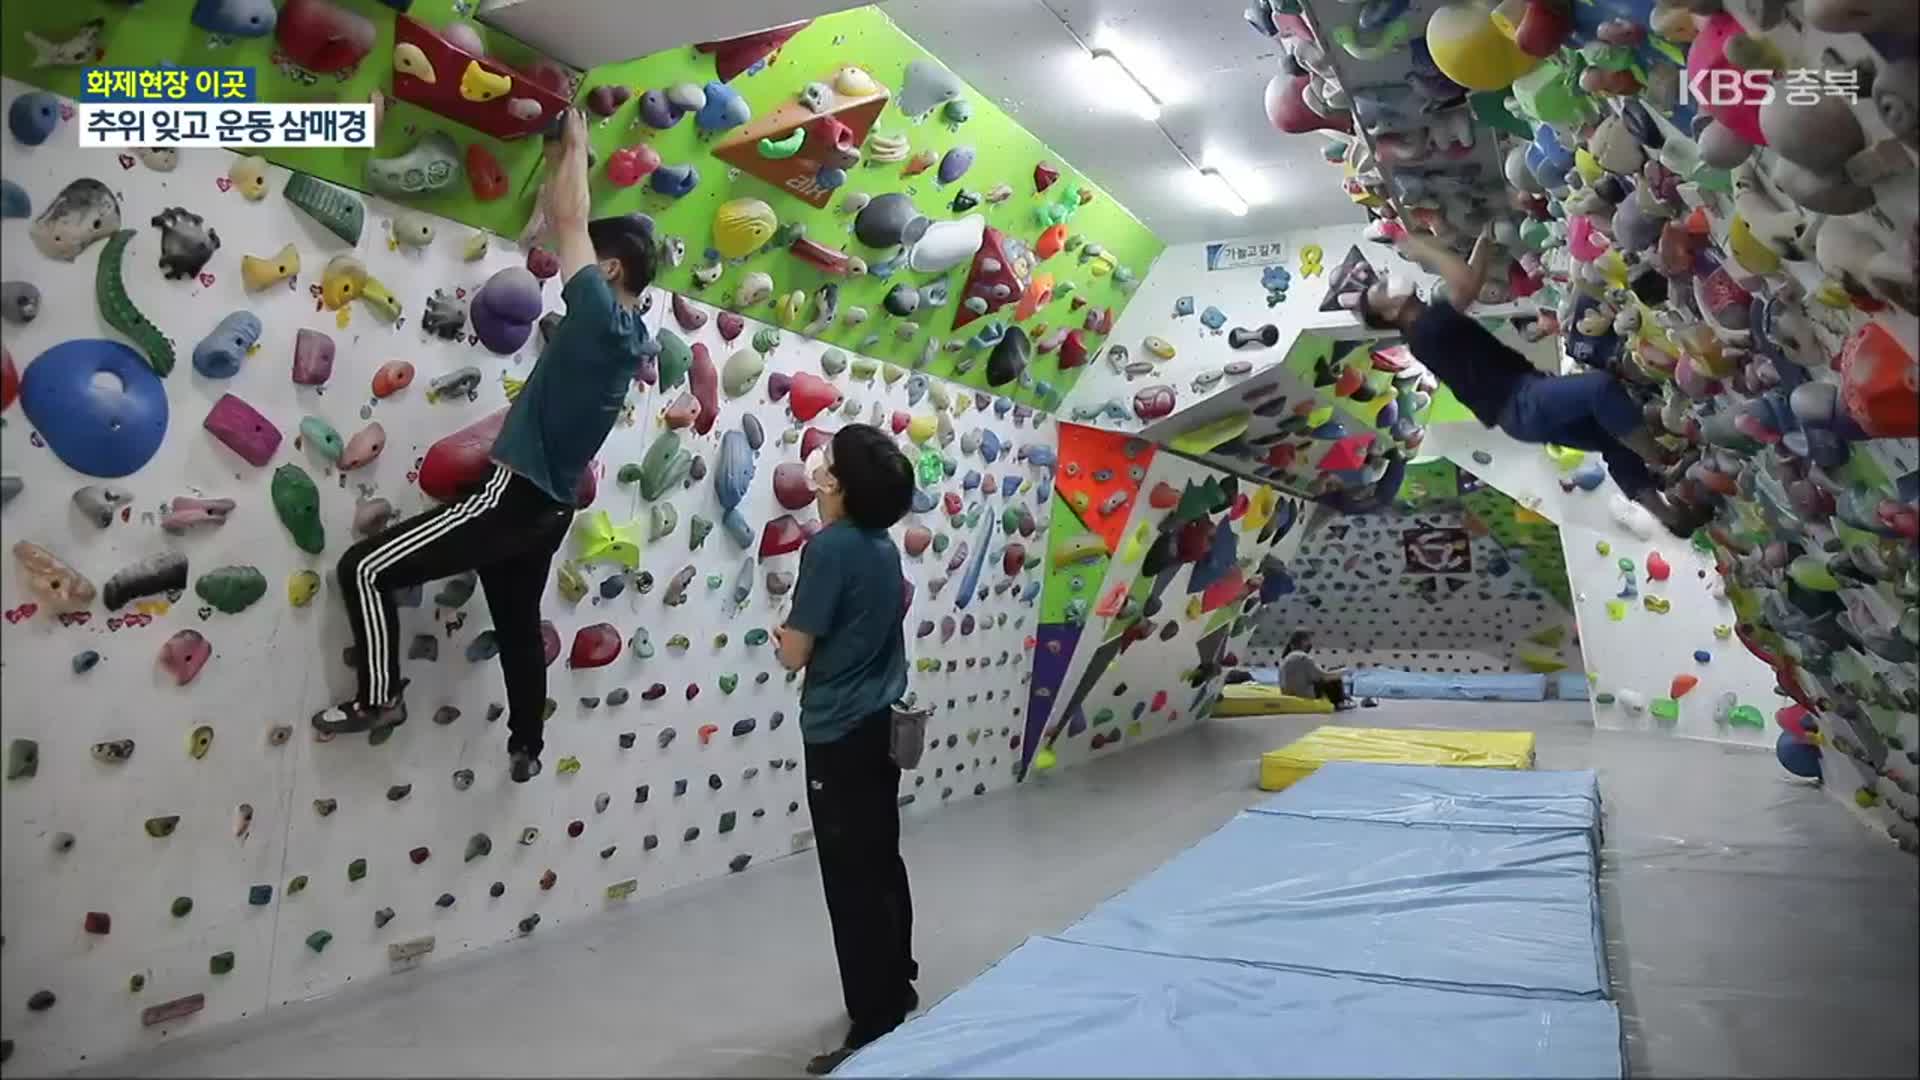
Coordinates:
(1126,88)
(1222,193)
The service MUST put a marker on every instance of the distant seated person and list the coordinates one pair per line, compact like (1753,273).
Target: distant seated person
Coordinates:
(1302,677)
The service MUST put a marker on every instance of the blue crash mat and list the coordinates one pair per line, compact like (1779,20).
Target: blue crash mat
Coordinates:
(1437,795)
(1053,1008)
(1423,686)
(1495,911)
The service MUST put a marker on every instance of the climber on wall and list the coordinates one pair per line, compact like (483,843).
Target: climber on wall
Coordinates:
(1589,411)
(846,629)
(510,526)
(1303,677)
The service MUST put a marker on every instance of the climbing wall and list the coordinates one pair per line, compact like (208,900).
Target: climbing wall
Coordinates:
(751,157)
(229,861)
(1445,582)
(1199,553)
(1640,632)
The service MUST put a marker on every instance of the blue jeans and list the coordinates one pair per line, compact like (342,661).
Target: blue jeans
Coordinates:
(1588,411)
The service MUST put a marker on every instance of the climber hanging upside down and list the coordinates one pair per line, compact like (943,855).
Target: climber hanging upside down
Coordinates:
(1589,411)
(509,526)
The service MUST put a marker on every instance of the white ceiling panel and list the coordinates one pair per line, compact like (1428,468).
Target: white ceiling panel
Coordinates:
(1199,56)
(587,33)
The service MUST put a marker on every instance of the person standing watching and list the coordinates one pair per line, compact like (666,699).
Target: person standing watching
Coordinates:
(846,630)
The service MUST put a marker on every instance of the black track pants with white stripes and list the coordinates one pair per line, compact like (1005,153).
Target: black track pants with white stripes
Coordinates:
(508,530)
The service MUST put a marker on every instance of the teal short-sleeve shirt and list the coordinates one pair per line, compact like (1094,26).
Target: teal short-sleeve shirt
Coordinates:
(851,599)
(577,390)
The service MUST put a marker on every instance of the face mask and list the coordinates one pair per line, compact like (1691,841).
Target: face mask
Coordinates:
(1398,288)
(819,469)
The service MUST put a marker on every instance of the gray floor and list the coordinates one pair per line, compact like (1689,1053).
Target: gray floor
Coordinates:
(1755,928)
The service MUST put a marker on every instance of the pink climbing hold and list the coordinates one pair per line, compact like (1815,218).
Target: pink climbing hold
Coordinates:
(809,395)
(594,646)
(1657,570)
(1013,558)
(791,488)
(689,317)
(364,448)
(778,383)
(1153,402)
(1159,701)
(393,377)
(729,325)
(812,439)
(243,430)
(184,654)
(312,358)
(917,539)
(704,380)
(899,420)
(682,412)
(549,641)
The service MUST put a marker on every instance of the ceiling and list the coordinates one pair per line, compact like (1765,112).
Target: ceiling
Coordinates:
(588,33)
(1199,56)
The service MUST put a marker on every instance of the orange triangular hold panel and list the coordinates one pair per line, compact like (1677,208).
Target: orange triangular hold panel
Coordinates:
(1103,505)
(841,127)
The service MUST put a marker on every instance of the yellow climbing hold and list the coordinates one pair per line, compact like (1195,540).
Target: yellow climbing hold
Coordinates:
(1659,605)
(341,281)
(1723,632)
(598,539)
(409,60)
(1566,459)
(1603,547)
(1045,759)
(1211,434)
(1617,610)
(258,273)
(1259,510)
(1541,660)
(479,84)
(1080,549)
(921,428)
(301,587)
(1320,415)
(1136,548)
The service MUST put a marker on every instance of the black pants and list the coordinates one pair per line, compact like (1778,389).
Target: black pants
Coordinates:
(852,792)
(1333,688)
(508,530)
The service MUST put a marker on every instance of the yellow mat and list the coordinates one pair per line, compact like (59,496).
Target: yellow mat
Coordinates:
(1253,699)
(1393,746)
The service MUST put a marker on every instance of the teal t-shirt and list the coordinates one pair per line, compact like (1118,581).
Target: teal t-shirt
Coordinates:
(577,390)
(850,597)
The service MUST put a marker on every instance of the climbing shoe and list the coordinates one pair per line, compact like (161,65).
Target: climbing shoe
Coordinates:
(352,716)
(524,767)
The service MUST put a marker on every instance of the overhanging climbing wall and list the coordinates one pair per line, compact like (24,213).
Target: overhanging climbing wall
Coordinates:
(1149,617)
(1449,580)
(234,862)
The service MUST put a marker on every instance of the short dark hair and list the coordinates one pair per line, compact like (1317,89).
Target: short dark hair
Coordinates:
(628,238)
(875,476)
(1368,316)
(1299,638)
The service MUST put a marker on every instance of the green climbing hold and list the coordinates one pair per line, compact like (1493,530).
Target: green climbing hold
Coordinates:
(662,519)
(1665,708)
(941,541)
(698,526)
(864,368)
(665,466)
(679,642)
(478,846)
(356,869)
(714,581)
(1603,698)
(322,438)
(755,636)
(220,963)
(117,308)
(727,821)
(1746,716)
(432,165)
(297,502)
(567,766)
(572,583)
(720,640)
(676,357)
(297,885)
(319,940)
(259,895)
(181,906)
(765,340)
(231,589)
(743,368)
(728,681)
(1626,565)
(23,759)
(341,211)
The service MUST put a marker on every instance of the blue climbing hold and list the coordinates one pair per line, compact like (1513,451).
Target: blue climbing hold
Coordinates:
(1213,318)
(102,430)
(674,181)
(14,200)
(235,18)
(219,354)
(724,109)
(922,501)
(33,116)
(1009,485)
(989,446)
(1701,656)
(1797,756)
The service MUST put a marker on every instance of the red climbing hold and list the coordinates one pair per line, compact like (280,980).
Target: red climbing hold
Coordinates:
(1194,538)
(693,691)
(1044,176)
(733,55)
(791,487)
(952,502)
(1073,351)
(809,394)
(1657,570)
(1164,496)
(917,539)
(460,461)
(9,380)
(1159,701)
(1347,454)
(1052,241)
(419,855)
(899,420)
(594,646)
(323,37)
(706,733)
(781,536)
(1681,684)
(703,380)
(549,641)
(484,174)
(98,922)
(1013,558)
(812,439)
